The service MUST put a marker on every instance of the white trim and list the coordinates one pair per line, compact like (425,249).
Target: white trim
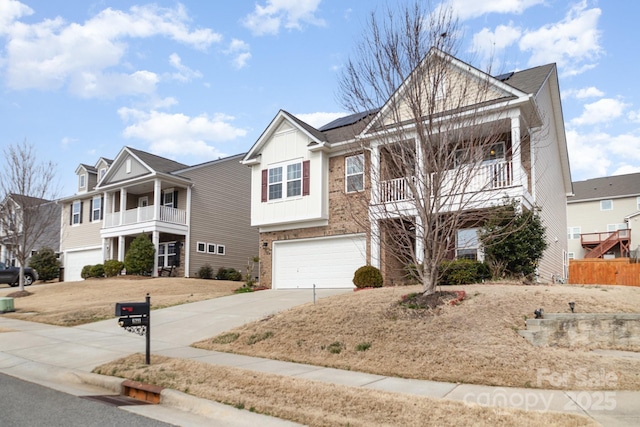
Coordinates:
(211,248)
(347,175)
(218,250)
(204,247)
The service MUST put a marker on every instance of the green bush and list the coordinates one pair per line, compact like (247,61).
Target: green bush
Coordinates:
(141,255)
(97,270)
(46,264)
(205,272)
(113,267)
(463,271)
(86,272)
(367,276)
(229,274)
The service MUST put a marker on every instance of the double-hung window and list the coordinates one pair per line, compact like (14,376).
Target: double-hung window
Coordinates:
(467,243)
(354,176)
(76,213)
(96,208)
(573,233)
(285,181)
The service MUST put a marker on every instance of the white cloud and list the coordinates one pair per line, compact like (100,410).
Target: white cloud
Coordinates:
(67,141)
(588,154)
(488,43)
(179,134)
(184,74)
(587,92)
(53,53)
(11,10)
(290,14)
(634,116)
(573,43)
(626,169)
(240,51)
(466,9)
(602,111)
(319,119)
(601,154)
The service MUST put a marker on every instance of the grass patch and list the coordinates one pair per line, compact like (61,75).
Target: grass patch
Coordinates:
(255,338)
(226,338)
(363,346)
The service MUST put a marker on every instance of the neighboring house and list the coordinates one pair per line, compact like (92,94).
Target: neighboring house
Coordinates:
(305,182)
(44,232)
(603,217)
(195,215)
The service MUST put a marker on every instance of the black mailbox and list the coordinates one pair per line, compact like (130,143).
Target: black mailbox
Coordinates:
(132,309)
(125,322)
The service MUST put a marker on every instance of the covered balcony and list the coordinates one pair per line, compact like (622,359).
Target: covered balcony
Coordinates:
(145,214)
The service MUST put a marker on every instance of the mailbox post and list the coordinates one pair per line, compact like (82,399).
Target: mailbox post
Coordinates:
(136,317)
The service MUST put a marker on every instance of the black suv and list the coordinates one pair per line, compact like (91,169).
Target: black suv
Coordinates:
(11,275)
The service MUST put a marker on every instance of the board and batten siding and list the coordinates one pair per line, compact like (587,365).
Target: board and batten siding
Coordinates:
(220,215)
(290,144)
(550,193)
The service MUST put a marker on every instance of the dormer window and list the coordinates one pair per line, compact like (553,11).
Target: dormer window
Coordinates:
(82,181)
(102,173)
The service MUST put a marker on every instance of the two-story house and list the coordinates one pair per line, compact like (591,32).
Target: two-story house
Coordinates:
(195,215)
(603,217)
(306,181)
(26,227)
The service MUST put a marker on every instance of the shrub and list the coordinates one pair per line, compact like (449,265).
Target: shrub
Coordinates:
(463,271)
(205,272)
(113,267)
(367,276)
(86,272)
(46,264)
(97,270)
(141,255)
(229,274)
(514,240)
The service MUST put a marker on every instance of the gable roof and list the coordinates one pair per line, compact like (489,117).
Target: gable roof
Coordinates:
(606,187)
(529,81)
(157,163)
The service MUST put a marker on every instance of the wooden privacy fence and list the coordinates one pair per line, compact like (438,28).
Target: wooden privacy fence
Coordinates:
(618,271)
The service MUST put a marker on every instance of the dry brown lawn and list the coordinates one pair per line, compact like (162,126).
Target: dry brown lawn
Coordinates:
(314,403)
(75,303)
(475,342)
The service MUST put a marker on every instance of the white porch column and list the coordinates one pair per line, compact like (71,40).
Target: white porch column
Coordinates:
(105,249)
(155,238)
(519,178)
(374,242)
(187,238)
(3,253)
(105,208)
(121,248)
(374,175)
(123,204)
(157,193)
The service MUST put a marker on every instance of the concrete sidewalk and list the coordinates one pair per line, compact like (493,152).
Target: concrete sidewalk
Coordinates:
(53,356)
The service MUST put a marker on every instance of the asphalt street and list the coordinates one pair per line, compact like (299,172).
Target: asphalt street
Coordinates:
(25,404)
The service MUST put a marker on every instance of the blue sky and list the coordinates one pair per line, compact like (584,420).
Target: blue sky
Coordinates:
(196,80)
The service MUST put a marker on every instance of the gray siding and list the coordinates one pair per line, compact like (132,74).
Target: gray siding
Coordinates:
(221,214)
(550,193)
(86,234)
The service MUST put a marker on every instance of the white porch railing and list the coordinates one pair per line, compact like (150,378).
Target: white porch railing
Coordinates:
(485,177)
(145,214)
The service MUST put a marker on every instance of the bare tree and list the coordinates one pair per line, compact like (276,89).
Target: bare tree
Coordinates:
(28,213)
(438,140)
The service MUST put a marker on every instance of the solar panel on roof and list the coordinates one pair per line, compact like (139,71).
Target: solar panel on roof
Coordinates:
(345,121)
(505,76)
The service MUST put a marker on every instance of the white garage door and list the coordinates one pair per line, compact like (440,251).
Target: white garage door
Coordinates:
(325,262)
(74,261)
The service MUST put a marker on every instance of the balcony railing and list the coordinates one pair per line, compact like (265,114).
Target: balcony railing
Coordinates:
(145,214)
(465,178)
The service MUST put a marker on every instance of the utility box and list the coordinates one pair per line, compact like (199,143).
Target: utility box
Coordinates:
(6,305)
